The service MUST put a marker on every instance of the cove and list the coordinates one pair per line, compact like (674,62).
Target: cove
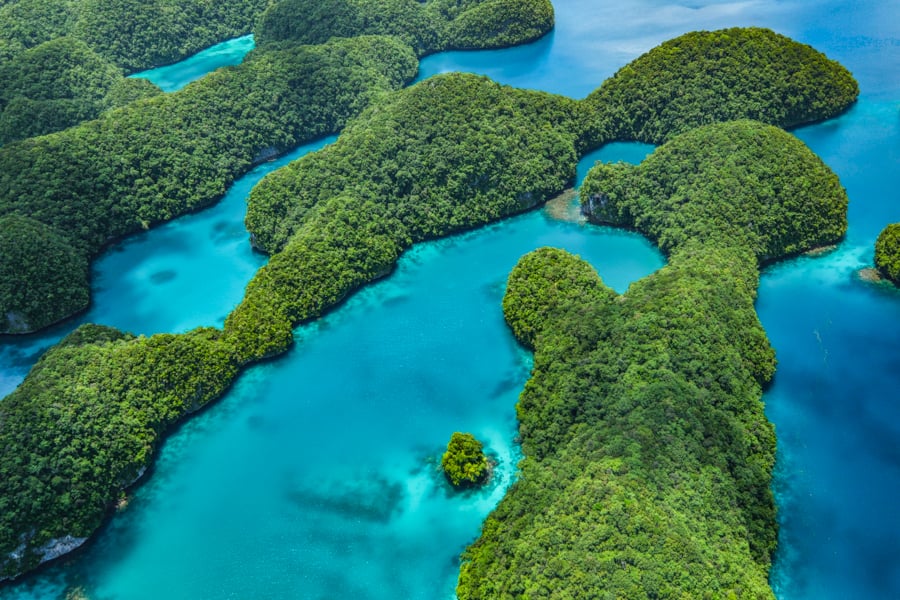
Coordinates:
(187,273)
(171,78)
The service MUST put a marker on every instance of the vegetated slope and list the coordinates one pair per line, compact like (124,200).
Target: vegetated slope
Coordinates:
(160,158)
(50,288)
(130,34)
(709,76)
(451,153)
(84,425)
(648,456)
(58,84)
(887,253)
(63,62)
(99,406)
(155,160)
(429,26)
(719,182)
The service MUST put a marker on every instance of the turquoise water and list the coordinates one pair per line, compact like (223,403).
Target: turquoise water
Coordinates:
(188,273)
(314,477)
(172,78)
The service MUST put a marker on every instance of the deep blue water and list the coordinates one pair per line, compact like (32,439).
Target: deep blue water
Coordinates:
(835,399)
(314,477)
(171,78)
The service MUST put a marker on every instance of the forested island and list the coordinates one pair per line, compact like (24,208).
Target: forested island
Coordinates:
(65,61)
(163,157)
(448,154)
(464,463)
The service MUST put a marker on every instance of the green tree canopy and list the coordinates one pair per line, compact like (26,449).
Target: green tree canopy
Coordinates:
(648,457)
(740,183)
(464,463)
(708,76)
(428,26)
(52,86)
(43,277)
(162,157)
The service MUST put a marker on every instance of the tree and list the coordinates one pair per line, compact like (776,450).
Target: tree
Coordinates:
(464,462)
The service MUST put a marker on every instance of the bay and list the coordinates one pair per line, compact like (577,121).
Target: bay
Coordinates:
(317,475)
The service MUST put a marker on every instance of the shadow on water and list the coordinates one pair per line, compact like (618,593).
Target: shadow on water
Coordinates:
(366,498)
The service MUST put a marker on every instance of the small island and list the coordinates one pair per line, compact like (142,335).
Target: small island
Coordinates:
(464,463)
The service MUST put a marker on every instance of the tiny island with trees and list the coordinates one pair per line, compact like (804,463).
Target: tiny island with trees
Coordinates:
(647,456)
(464,463)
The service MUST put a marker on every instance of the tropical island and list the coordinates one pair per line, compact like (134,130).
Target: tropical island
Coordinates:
(64,62)
(465,463)
(648,456)
(449,154)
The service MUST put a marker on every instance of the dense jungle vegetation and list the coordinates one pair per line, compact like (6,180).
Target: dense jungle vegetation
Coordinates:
(709,76)
(648,456)
(451,153)
(44,290)
(156,159)
(130,34)
(887,253)
(502,151)
(739,196)
(428,26)
(64,62)
(152,161)
(58,84)
(464,463)
(85,423)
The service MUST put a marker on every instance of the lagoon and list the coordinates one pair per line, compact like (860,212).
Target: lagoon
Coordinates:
(190,272)
(317,475)
(314,477)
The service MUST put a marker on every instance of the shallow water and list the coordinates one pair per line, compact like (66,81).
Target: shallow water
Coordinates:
(834,399)
(312,477)
(172,78)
